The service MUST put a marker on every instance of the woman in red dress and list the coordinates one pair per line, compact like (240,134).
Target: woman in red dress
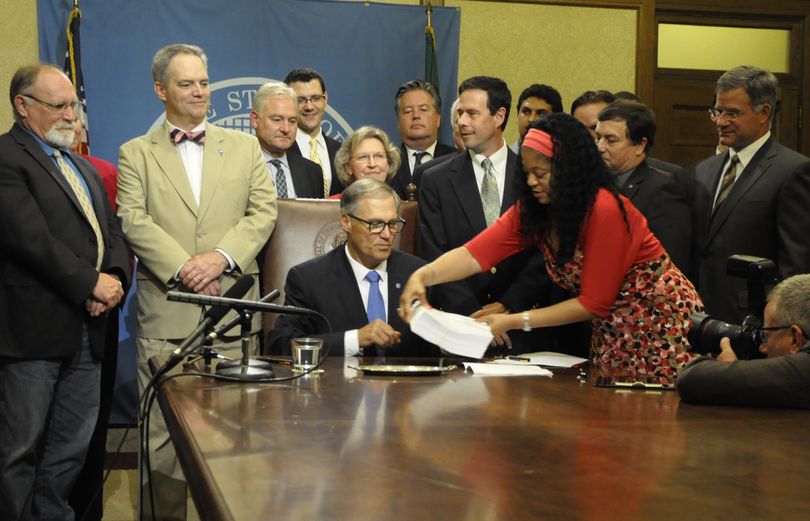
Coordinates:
(595,243)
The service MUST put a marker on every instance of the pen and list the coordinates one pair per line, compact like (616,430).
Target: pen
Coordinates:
(519,358)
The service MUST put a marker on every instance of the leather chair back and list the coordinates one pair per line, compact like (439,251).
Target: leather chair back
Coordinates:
(308,228)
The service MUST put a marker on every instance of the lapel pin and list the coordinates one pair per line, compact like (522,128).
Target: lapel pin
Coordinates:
(398,285)
(221,152)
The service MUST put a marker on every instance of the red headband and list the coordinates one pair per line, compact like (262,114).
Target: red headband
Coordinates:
(539,141)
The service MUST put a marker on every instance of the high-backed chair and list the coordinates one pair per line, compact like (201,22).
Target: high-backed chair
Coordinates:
(308,228)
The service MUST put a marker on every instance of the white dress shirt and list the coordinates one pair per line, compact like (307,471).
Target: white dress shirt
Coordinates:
(191,155)
(287,173)
(351,339)
(303,139)
(745,156)
(412,160)
(498,168)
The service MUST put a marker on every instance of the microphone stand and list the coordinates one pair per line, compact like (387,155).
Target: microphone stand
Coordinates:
(245,369)
(207,353)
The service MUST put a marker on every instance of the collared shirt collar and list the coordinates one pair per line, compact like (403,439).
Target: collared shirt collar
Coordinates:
(746,154)
(360,271)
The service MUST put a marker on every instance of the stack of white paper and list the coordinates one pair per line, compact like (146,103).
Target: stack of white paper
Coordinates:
(456,334)
(523,369)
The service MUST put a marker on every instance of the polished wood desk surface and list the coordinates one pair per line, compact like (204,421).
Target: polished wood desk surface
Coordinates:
(347,446)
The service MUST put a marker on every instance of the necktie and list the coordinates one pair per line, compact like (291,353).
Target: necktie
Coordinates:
(490,199)
(84,201)
(726,183)
(419,156)
(178,136)
(376,306)
(314,156)
(281,181)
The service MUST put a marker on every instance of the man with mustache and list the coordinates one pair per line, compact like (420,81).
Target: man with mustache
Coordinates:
(275,118)
(63,266)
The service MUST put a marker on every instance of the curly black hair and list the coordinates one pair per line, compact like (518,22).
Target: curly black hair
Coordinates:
(578,172)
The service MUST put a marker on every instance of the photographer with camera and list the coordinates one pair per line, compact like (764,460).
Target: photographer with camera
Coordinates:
(780,380)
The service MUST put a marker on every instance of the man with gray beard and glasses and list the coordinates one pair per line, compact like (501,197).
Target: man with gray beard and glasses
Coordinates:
(63,266)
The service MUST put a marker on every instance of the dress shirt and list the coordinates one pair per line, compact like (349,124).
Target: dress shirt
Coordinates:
(48,149)
(498,168)
(303,139)
(745,156)
(412,160)
(621,179)
(351,339)
(287,173)
(191,154)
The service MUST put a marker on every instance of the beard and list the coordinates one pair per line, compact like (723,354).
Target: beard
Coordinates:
(60,135)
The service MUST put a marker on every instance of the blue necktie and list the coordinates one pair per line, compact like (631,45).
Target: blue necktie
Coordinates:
(376,306)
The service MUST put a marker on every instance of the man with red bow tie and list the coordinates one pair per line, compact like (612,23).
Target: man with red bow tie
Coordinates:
(196,205)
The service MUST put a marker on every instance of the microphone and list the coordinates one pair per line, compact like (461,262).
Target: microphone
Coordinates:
(227,326)
(205,300)
(216,313)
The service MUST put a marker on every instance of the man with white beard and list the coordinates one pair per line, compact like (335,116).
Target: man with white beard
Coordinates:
(63,266)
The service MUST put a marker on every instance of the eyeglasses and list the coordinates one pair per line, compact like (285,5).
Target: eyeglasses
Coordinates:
(60,107)
(715,114)
(366,158)
(763,333)
(314,99)
(377,227)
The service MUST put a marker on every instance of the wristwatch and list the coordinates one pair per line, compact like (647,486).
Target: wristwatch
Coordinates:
(526,325)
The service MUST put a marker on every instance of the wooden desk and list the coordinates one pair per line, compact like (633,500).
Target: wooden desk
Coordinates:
(343,446)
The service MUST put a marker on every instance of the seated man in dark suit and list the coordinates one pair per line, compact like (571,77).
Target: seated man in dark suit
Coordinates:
(357,286)
(275,119)
(625,133)
(419,113)
(782,379)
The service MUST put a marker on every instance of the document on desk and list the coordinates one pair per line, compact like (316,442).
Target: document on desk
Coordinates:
(519,369)
(545,358)
(456,334)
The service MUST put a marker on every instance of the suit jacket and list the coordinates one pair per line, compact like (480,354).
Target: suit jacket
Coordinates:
(327,285)
(48,252)
(165,227)
(662,200)
(403,176)
(772,382)
(420,170)
(765,215)
(332,147)
(666,166)
(307,177)
(450,214)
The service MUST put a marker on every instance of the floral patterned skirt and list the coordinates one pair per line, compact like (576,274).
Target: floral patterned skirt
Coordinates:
(645,332)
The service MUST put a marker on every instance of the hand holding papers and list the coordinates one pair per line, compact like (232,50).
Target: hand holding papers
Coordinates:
(456,334)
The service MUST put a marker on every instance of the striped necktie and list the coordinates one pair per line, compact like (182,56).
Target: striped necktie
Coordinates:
(84,201)
(727,183)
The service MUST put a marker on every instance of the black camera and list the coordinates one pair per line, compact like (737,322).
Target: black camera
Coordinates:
(706,332)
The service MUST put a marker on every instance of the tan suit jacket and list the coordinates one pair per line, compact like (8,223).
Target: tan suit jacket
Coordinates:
(165,227)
